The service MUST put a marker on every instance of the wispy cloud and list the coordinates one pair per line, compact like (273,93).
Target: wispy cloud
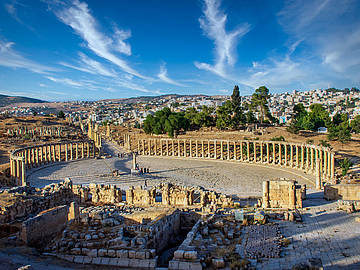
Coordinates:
(163,75)
(213,23)
(11,58)
(89,65)
(65,81)
(337,46)
(80,19)
(135,86)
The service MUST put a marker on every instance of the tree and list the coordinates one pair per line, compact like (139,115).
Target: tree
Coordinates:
(61,114)
(345,165)
(238,116)
(340,129)
(355,124)
(259,101)
(235,97)
(224,113)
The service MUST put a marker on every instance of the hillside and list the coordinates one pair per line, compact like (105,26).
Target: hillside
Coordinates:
(9,100)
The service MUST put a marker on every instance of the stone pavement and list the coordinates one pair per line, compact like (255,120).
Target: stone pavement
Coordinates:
(330,235)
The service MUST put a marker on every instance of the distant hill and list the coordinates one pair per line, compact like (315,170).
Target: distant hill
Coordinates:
(8,100)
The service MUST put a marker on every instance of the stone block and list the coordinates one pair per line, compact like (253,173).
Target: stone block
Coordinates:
(218,263)
(105,261)
(96,260)
(76,251)
(123,262)
(179,254)
(87,259)
(183,266)
(134,263)
(102,252)
(190,255)
(113,261)
(140,255)
(84,251)
(132,254)
(111,253)
(69,258)
(173,264)
(92,252)
(144,263)
(79,259)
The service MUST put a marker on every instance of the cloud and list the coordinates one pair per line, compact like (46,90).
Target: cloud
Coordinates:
(89,65)
(336,44)
(65,81)
(213,23)
(164,76)
(10,58)
(134,86)
(79,18)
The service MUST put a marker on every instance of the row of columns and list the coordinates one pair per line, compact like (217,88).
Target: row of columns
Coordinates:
(300,156)
(43,154)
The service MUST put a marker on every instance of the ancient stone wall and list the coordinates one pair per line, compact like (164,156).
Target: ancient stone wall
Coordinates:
(317,160)
(175,195)
(98,193)
(342,192)
(29,200)
(37,230)
(282,194)
(57,131)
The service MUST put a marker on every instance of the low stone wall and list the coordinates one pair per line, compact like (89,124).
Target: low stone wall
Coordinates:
(37,230)
(342,192)
(29,200)
(282,194)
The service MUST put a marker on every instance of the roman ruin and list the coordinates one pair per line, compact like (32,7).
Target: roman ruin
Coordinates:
(140,220)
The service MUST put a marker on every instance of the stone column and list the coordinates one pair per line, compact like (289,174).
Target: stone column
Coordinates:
(222,150)
(325,162)
(291,156)
(180,146)
(196,148)
(11,165)
(286,154)
(202,149)
(37,156)
(332,173)
(235,152)
(329,164)
(274,154)
(173,147)
(77,150)
(23,176)
(53,152)
(209,153)
(59,152)
(161,147)
(167,148)
(185,146)
(312,158)
(88,149)
(241,151)
(280,154)
(66,152)
(302,157)
(215,149)
(297,156)
(266,197)
(267,153)
(261,152)
(45,154)
(292,196)
(18,171)
(318,175)
(228,150)
(190,148)
(82,150)
(307,157)
(71,151)
(255,157)
(248,151)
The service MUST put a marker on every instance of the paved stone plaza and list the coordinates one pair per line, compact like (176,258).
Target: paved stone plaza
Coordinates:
(227,177)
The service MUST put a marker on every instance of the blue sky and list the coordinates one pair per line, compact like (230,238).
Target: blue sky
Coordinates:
(87,50)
